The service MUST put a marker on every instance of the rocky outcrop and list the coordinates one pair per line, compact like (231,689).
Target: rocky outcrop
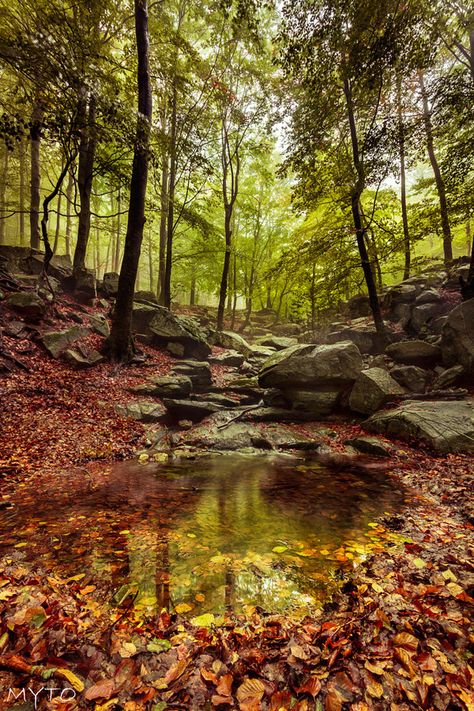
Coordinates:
(279,343)
(411,377)
(228,359)
(181,335)
(28,304)
(110,284)
(78,359)
(418,353)
(309,366)
(364,336)
(457,337)
(100,325)
(142,411)
(446,426)
(198,372)
(234,341)
(373,389)
(56,342)
(319,403)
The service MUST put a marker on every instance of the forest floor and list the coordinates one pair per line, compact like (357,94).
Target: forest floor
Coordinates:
(397,635)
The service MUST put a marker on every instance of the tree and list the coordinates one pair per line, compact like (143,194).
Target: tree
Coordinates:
(120,344)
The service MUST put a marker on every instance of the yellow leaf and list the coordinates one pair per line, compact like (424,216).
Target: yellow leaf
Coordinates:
(21,545)
(125,532)
(182,608)
(374,668)
(74,578)
(419,563)
(206,620)
(74,680)
(279,549)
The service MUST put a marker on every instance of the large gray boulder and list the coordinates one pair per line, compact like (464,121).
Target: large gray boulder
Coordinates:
(309,366)
(372,390)
(56,342)
(411,377)
(279,343)
(143,411)
(110,284)
(233,341)
(169,330)
(28,304)
(446,426)
(418,353)
(228,358)
(364,336)
(457,337)
(198,372)
(319,403)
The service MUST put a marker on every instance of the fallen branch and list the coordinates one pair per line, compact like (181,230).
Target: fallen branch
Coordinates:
(240,414)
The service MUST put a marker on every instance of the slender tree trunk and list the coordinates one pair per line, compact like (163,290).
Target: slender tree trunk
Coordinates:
(120,342)
(48,252)
(440,187)
(35,142)
(22,191)
(150,258)
(3,194)
(234,288)
(166,297)
(70,185)
(403,191)
(192,293)
(269,297)
(58,221)
(160,288)
(225,267)
(117,239)
(360,230)
(84,181)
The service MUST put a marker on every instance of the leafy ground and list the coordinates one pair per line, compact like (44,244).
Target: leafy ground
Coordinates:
(397,635)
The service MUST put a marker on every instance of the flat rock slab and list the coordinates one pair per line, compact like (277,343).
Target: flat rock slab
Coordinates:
(143,411)
(418,353)
(446,426)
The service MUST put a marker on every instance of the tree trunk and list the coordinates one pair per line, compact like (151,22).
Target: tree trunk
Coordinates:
(3,194)
(84,182)
(35,141)
(150,258)
(22,191)
(357,217)
(58,221)
(120,342)
(403,193)
(192,293)
(160,287)
(443,206)
(166,296)
(70,185)
(117,240)
(225,267)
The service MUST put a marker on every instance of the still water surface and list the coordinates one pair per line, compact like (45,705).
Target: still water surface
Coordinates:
(208,535)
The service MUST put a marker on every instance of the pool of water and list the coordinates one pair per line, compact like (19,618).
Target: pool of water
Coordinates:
(215,534)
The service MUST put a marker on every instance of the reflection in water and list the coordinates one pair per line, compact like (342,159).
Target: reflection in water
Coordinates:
(219,533)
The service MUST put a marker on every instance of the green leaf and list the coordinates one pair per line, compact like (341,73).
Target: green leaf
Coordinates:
(206,620)
(158,645)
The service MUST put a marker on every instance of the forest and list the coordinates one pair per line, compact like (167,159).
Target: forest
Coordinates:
(237,355)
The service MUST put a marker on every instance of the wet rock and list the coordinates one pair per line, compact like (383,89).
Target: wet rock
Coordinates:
(110,284)
(457,337)
(56,342)
(411,377)
(199,372)
(142,411)
(449,377)
(279,343)
(370,445)
(418,353)
(373,389)
(233,341)
(310,365)
(100,325)
(28,304)
(446,426)
(228,358)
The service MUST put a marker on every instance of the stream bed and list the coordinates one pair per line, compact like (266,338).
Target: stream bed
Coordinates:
(214,534)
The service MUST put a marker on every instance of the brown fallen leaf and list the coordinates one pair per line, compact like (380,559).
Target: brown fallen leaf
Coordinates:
(251,690)
(224,687)
(103,689)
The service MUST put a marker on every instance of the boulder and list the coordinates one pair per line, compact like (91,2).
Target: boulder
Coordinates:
(279,343)
(143,411)
(146,296)
(446,426)
(422,314)
(198,372)
(308,366)
(234,341)
(172,386)
(85,285)
(449,377)
(319,402)
(359,306)
(364,336)
(373,389)
(414,353)
(110,284)
(429,296)
(457,337)
(411,377)
(56,342)
(81,360)
(262,352)
(28,304)
(228,358)
(100,325)
(168,328)
(370,445)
